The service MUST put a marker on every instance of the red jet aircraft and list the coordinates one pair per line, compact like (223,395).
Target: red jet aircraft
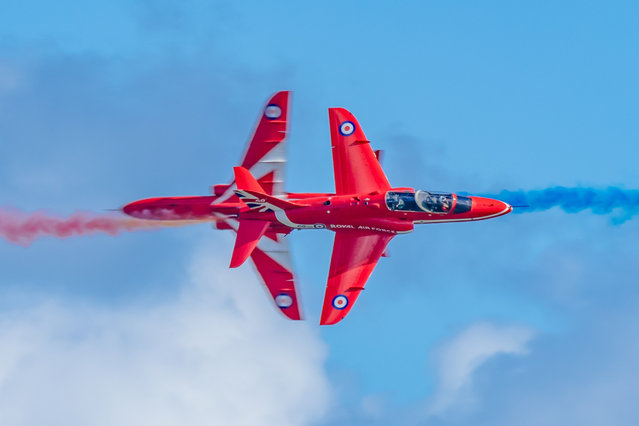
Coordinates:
(365,212)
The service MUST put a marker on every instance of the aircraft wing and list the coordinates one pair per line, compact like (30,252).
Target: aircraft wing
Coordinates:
(272,261)
(355,255)
(265,156)
(355,165)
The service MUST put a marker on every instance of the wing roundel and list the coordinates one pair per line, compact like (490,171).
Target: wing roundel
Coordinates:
(354,257)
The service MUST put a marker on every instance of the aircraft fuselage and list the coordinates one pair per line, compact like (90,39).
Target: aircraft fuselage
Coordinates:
(381,212)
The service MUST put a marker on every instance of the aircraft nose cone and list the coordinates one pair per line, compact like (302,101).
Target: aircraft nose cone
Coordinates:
(487,207)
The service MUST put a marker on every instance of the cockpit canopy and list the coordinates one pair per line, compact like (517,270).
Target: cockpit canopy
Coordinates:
(424,201)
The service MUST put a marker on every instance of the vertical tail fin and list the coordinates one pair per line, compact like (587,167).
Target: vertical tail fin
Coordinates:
(250,231)
(245,180)
(250,191)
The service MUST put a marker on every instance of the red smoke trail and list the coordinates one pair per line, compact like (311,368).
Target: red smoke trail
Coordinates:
(22,228)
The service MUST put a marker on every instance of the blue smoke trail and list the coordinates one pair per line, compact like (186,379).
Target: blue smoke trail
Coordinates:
(573,200)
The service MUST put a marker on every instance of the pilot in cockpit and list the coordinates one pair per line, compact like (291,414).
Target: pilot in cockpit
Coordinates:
(445,203)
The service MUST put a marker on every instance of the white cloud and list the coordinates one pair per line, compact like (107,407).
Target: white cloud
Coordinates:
(457,359)
(218,354)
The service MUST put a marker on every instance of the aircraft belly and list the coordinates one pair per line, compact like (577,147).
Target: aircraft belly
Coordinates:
(335,221)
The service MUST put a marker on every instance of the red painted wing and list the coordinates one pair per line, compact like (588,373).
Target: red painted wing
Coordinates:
(355,165)
(279,281)
(272,260)
(355,255)
(265,156)
(269,134)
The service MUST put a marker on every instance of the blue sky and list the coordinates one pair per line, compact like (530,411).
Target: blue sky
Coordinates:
(527,319)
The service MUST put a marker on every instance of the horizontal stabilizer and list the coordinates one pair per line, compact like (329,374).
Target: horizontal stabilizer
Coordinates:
(248,235)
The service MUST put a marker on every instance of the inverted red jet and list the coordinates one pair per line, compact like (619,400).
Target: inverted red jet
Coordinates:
(365,212)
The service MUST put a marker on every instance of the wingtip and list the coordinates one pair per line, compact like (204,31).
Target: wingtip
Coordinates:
(282,97)
(236,263)
(294,315)
(331,318)
(344,125)
(342,113)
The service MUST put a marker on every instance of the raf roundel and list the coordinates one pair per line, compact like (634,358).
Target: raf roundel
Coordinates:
(340,301)
(283,300)
(272,111)
(347,128)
